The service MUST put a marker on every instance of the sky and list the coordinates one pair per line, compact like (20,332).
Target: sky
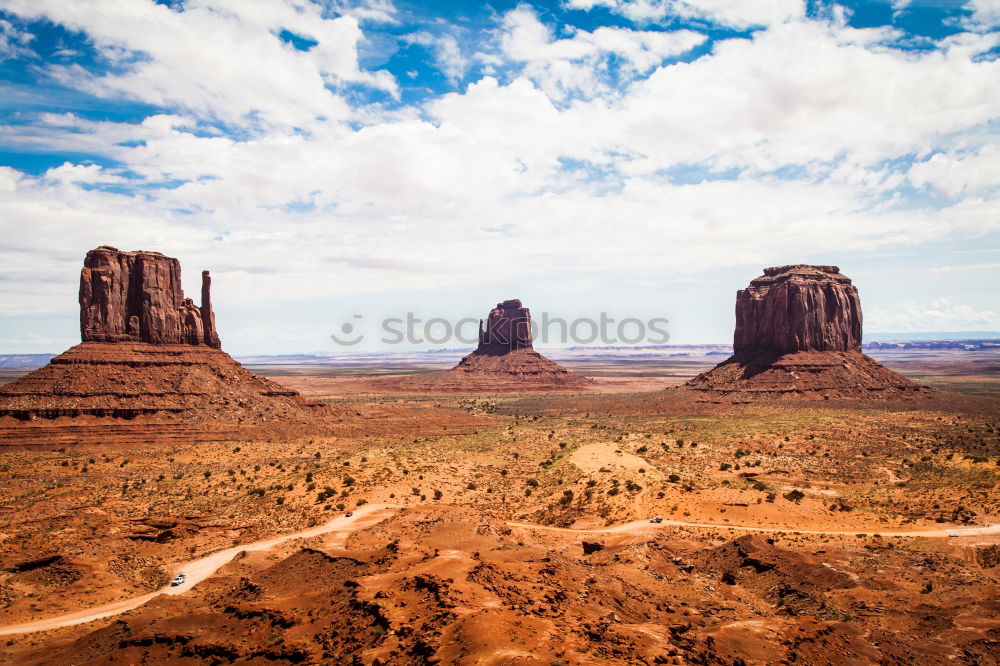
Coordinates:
(339,162)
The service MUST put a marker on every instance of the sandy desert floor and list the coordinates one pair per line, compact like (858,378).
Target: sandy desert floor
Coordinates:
(513,529)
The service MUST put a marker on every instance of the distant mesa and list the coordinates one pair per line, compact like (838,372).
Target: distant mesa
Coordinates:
(504,361)
(148,353)
(505,352)
(508,327)
(798,335)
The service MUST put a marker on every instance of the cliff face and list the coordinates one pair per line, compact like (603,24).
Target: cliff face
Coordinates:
(148,355)
(505,359)
(798,308)
(508,327)
(798,336)
(137,297)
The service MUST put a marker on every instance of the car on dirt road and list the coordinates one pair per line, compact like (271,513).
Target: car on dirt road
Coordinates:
(656,519)
(348,514)
(178,580)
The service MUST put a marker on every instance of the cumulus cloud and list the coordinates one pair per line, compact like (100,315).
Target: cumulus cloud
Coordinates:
(578,63)
(222,59)
(448,55)
(14,42)
(985,14)
(741,14)
(959,172)
(937,315)
(587,152)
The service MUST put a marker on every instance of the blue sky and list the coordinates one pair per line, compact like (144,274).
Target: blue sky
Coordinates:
(642,158)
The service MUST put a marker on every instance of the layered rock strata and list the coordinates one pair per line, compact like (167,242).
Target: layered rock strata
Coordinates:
(137,297)
(798,335)
(148,354)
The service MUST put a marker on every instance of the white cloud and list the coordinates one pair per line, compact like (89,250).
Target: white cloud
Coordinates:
(217,58)
(14,42)
(447,53)
(738,14)
(89,174)
(551,169)
(937,315)
(985,14)
(956,173)
(579,63)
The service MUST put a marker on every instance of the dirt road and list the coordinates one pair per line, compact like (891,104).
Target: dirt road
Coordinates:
(643,525)
(198,570)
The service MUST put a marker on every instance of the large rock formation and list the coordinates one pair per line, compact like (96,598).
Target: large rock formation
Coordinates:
(798,308)
(137,297)
(798,335)
(148,354)
(505,355)
(504,361)
(508,327)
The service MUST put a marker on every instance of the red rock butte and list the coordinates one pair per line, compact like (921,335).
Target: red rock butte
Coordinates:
(798,335)
(504,361)
(148,355)
(137,297)
(505,356)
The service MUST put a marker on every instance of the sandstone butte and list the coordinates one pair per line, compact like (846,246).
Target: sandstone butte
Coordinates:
(504,361)
(505,356)
(148,355)
(798,335)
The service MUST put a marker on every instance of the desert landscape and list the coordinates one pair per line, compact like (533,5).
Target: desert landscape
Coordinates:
(499,333)
(337,516)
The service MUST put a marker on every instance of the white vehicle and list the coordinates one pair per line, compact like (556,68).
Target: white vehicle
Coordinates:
(656,519)
(953,534)
(178,580)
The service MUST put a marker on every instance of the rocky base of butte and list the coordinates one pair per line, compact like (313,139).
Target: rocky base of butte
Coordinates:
(798,336)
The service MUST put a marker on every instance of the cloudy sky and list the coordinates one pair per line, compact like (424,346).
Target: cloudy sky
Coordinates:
(347,160)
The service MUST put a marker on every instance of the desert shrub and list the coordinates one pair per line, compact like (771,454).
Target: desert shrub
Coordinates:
(794,495)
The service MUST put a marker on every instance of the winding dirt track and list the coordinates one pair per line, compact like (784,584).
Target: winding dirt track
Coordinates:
(198,570)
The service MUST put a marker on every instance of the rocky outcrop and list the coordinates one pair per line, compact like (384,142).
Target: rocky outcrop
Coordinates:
(504,361)
(137,297)
(508,327)
(798,308)
(148,355)
(505,355)
(798,335)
